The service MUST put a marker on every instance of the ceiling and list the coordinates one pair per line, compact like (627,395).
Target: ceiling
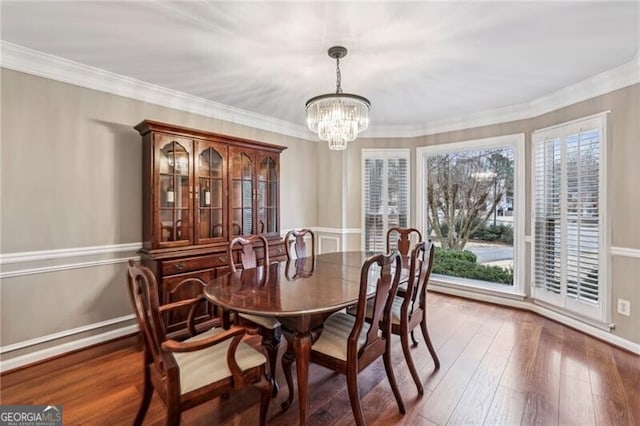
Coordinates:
(418,62)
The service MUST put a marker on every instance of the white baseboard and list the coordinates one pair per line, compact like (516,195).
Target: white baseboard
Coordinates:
(41,355)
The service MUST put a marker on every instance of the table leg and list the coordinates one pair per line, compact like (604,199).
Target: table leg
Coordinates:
(302,349)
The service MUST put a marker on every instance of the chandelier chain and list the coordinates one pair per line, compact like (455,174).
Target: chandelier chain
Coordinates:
(338,76)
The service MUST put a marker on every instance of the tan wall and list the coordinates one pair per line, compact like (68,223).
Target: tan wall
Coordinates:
(71,178)
(623,189)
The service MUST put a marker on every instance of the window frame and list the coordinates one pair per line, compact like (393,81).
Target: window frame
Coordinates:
(384,154)
(601,311)
(515,141)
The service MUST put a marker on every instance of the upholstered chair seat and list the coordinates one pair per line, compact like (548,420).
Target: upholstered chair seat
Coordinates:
(335,336)
(395,310)
(199,369)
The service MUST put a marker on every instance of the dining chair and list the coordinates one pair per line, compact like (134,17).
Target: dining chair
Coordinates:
(296,238)
(202,367)
(270,328)
(348,344)
(409,309)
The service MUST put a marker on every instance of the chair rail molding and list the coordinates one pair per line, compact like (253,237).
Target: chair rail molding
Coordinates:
(43,261)
(625,252)
(338,230)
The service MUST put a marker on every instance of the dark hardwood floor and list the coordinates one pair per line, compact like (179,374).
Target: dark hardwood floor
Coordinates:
(499,366)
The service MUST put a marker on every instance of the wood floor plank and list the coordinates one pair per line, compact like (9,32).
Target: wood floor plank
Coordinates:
(506,408)
(476,399)
(542,378)
(523,354)
(462,333)
(629,372)
(574,361)
(575,402)
(444,398)
(607,387)
(540,409)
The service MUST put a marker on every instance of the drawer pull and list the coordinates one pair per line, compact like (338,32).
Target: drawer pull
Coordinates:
(280,250)
(179,266)
(223,259)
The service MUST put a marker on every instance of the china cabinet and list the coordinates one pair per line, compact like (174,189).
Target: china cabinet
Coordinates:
(201,189)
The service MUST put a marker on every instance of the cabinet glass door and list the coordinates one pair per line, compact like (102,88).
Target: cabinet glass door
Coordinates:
(268,196)
(174,195)
(242,178)
(211,189)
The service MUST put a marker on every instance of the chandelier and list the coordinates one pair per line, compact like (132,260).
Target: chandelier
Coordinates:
(338,117)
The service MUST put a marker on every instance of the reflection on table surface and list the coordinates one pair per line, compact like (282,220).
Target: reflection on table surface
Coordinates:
(322,283)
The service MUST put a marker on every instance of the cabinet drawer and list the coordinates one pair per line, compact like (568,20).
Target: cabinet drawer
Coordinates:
(188,264)
(277,251)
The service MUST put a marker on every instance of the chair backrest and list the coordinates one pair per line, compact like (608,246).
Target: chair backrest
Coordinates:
(419,273)
(386,270)
(400,239)
(143,290)
(248,256)
(296,237)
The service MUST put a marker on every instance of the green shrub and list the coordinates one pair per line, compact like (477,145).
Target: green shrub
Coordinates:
(463,255)
(501,232)
(462,263)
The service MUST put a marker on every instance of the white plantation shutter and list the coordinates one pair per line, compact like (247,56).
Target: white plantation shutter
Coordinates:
(583,232)
(547,215)
(569,248)
(385,192)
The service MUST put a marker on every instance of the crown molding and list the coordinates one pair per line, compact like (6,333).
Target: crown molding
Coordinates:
(616,78)
(19,58)
(33,62)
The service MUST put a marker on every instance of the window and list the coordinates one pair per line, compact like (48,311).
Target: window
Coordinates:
(385,192)
(569,267)
(470,203)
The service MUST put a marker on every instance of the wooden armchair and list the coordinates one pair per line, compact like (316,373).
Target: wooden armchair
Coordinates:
(188,373)
(270,328)
(296,238)
(349,344)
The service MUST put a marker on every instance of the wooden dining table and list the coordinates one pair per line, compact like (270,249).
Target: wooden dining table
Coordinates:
(301,293)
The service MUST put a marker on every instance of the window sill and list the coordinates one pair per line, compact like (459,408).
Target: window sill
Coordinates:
(475,286)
